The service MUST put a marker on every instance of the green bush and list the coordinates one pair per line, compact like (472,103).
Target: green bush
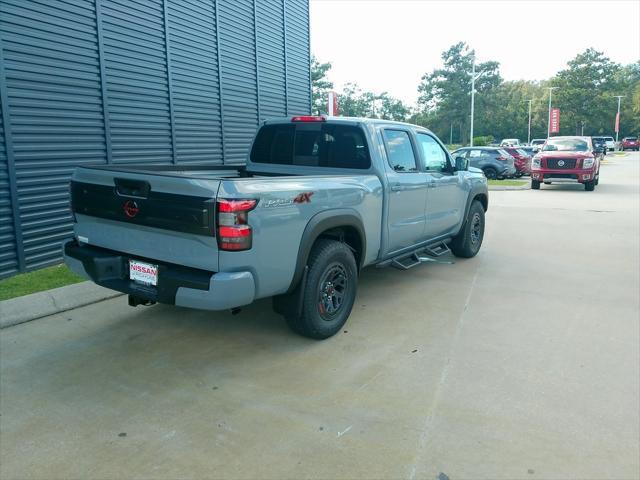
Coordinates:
(483,141)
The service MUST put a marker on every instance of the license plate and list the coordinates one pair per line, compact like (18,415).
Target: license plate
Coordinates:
(143,272)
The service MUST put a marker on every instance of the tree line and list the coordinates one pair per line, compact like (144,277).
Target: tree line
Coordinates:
(585,95)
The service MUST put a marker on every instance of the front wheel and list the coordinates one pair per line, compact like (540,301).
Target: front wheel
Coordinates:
(329,292)
(535,185)
(590,186)
(468,242)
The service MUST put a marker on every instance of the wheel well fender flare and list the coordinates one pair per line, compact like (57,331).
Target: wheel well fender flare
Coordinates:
(322,223)
(479,193)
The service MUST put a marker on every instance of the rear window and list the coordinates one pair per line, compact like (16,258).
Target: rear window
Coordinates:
(312,145)
(631,139)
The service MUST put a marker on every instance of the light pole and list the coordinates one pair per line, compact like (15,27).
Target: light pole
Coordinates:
(529,130)
(474,77)
(551,89)
(618,116)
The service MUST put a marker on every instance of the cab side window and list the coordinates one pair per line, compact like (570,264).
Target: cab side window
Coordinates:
(435,159)
(399,151)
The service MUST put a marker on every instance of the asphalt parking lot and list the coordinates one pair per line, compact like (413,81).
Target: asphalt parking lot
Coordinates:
(521,363)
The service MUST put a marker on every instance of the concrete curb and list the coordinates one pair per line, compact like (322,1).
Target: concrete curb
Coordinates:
(526,186)
(41,304)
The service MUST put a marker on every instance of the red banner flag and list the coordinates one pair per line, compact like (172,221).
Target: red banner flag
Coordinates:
(617,122)
(554,126)
(332,104)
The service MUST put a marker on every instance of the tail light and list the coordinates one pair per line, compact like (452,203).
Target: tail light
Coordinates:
(234,232)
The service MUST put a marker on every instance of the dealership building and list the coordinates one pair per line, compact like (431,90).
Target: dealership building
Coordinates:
(86,82)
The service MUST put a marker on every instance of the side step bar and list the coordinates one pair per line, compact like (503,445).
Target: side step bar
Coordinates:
(418,256)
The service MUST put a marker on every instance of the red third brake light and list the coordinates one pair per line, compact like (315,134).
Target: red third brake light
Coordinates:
(309,118)
(234,233)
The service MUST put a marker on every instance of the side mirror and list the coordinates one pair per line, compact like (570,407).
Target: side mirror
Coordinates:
(462,164)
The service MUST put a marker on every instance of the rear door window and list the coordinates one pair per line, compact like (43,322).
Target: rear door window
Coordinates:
(400,151)
(312,145)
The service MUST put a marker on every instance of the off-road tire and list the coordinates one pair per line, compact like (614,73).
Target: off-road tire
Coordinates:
(468,242)
(326,256)
(535,185)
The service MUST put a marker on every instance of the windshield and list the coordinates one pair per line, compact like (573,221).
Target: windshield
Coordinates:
(566,145)
(537,142)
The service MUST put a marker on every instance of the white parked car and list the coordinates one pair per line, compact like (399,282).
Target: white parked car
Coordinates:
(611,144)
(537,143)
(510,142)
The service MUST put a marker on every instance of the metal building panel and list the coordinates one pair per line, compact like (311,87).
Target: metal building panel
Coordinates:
(194,76)
(8,254)
(238,77)
(178,80)
(298,61)
(52,82)
(136,80)
(271,65)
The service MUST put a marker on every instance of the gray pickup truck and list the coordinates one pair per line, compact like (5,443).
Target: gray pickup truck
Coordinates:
(318,200)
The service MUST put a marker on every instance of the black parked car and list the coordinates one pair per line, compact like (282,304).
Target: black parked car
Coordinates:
(494,162)
(599,146)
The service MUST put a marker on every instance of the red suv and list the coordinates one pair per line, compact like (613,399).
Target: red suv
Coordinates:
(630,143)
(522,160)
(566,160)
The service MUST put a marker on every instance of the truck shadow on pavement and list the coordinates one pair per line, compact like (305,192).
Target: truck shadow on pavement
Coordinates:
(150,350)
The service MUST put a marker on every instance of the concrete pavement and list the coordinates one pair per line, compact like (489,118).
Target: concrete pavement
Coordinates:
(520,363)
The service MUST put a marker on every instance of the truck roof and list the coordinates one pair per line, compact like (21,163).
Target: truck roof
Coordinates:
(345,120)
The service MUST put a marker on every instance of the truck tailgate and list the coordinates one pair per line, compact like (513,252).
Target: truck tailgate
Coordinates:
(147,215)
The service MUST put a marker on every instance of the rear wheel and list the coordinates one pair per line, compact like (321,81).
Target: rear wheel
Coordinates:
(329,291)
(535,185)
(490,172)
(468,242)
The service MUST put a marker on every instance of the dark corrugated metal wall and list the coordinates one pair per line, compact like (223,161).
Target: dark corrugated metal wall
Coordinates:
(182,81)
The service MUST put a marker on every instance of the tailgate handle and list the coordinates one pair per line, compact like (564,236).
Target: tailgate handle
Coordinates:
(132,188)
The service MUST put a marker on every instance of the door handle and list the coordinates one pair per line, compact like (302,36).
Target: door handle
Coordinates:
(396,187)
(431,184)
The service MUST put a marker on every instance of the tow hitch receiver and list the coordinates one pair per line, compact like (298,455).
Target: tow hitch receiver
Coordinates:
(135,301)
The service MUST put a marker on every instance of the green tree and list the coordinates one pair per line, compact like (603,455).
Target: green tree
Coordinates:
(320,85)
(628,84)
(444,94)
(585,93)
(354,102)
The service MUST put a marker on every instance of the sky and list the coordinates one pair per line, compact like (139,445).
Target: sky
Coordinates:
(387,45)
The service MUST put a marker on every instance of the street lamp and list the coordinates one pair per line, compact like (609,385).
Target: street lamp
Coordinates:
(551,89)
(474,77)
(618,116)
(529,130)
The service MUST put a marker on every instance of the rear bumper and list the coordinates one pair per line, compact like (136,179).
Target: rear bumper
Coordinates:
(508,171)
(177,285)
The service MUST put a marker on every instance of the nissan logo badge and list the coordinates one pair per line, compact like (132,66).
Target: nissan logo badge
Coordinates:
(130,208)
